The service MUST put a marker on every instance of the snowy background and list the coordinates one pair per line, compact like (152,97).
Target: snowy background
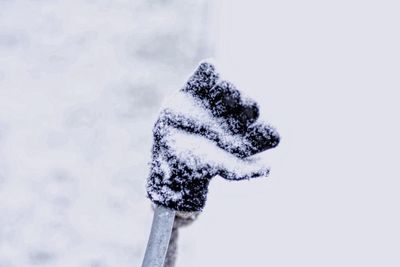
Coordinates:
(80,86)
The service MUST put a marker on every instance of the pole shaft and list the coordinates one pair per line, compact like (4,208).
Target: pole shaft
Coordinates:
(157,246)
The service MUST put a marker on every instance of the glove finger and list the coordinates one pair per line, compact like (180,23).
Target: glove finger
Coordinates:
(202,80)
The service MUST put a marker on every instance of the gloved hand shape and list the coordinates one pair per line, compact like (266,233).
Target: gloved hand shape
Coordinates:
(206,129)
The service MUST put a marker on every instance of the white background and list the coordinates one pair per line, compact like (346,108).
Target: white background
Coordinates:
(80,86)
(327,75)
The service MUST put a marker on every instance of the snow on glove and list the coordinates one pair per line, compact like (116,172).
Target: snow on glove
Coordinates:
(206,129)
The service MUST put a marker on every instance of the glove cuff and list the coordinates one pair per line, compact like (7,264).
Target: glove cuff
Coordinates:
(184,193)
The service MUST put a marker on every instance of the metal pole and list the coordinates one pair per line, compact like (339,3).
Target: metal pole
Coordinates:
(160,234)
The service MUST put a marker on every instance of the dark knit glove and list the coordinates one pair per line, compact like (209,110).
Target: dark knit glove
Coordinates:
(206,129)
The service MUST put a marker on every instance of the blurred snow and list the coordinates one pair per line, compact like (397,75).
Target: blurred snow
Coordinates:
(80,86)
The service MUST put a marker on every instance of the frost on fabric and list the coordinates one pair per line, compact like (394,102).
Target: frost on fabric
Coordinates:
(206,129)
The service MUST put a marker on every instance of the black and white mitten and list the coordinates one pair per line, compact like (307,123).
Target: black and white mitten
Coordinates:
(206,129)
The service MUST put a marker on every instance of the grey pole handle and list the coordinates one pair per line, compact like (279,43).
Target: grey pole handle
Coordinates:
(157,246)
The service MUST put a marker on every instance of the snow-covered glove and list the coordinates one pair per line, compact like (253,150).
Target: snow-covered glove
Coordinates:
(206,129)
